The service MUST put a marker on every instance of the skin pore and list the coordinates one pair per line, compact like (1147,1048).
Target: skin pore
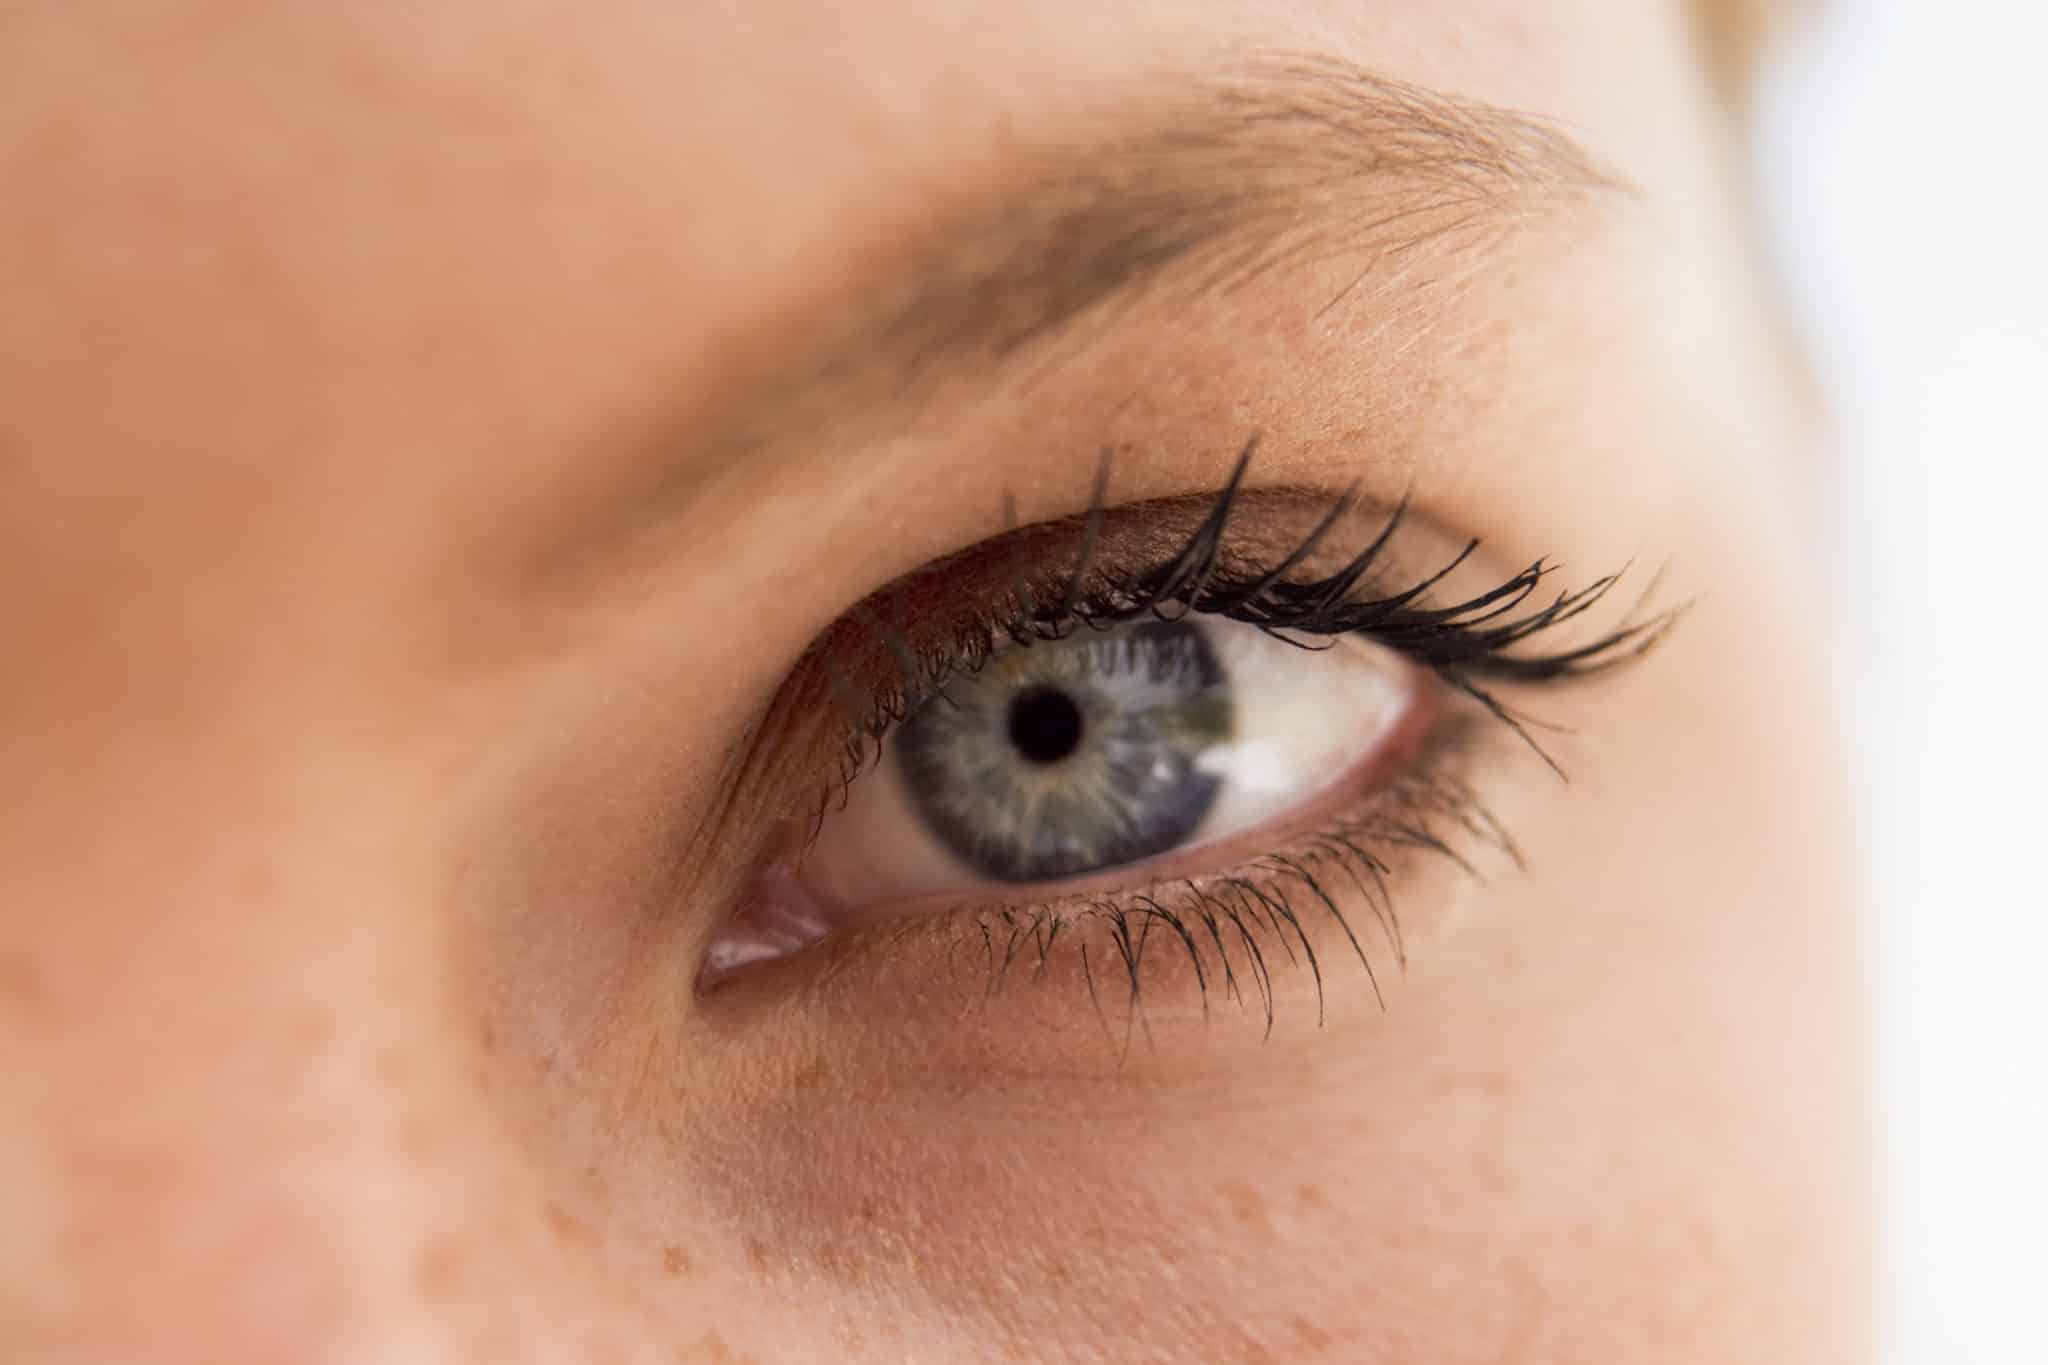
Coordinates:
(433,439)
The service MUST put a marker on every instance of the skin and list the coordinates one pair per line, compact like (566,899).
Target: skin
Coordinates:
(399,546)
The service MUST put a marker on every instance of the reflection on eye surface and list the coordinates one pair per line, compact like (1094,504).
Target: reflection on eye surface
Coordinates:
(1236,742)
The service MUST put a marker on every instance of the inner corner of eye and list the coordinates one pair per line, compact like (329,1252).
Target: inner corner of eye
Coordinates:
(1106,760)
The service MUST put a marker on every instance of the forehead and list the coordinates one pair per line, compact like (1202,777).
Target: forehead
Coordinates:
(714,134)
(357,232)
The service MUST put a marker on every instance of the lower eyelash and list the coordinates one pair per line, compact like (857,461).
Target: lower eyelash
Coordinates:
(1234,928)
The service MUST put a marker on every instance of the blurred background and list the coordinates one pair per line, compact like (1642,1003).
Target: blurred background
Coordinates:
(1905,147)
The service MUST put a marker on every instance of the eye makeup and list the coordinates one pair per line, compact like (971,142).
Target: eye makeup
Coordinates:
(986,678)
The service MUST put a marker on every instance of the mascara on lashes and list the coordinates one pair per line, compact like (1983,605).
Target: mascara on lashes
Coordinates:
(1471,645)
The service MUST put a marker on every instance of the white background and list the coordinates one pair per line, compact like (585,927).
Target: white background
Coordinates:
(1905,148)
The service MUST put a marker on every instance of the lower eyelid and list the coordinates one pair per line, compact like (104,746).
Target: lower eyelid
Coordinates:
(1314,916)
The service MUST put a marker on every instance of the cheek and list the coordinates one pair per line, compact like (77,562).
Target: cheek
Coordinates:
(251,1116)
(1015,1168)
(1624,1069)
(1389,1188)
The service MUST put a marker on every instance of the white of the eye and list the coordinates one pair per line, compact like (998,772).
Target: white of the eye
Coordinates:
(1303,718)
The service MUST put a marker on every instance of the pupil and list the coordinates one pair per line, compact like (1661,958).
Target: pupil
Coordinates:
(1045,725)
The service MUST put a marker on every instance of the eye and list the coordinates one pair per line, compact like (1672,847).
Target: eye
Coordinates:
(1109,758)
(1193,740)
(1116,749)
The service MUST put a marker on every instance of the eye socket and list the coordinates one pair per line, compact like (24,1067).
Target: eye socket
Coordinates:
(1110,744)
(1102,757)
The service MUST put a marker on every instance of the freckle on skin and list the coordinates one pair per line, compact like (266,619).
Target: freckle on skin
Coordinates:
(24,991)
(1247,1207)
(1406,1235)
(415,1137)
(1310,1197)
(313,1029)
(710,1349)
(675,1261)
(569,1228)
(757,1254)
(1308,1336)
(440,1270)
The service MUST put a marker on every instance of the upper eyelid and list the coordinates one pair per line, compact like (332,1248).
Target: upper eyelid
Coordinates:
(1266,522)
(1467,642)
(1275,540)
(851,676)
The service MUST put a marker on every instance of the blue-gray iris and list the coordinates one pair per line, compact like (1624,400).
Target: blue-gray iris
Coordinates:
(1065,756)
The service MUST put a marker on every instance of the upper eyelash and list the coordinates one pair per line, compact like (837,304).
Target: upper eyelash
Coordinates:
(1467,644)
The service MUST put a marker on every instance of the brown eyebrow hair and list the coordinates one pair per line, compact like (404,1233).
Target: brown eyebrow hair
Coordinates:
(1258,151)
(1274,162)
(1208,180)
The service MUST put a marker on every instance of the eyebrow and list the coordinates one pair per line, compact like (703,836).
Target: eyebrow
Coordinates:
(1212,180)
(1280,159)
